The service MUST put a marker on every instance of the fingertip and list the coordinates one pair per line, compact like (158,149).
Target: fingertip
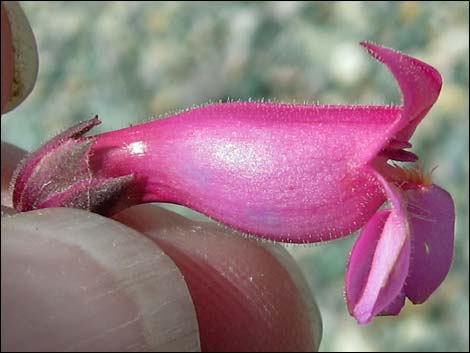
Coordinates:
(248,296)
(73,280)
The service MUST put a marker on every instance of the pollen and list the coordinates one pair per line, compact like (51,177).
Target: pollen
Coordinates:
(414,177)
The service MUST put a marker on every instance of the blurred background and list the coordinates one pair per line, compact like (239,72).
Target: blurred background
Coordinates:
(130,61)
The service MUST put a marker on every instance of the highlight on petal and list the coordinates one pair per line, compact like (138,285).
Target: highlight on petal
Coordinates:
(431,218)
(379,262)
(419,83)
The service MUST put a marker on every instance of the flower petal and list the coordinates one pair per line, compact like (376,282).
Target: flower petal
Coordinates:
(379,262)
(419,83)
(293,173)
(378,266)
(360,259)
(395,306)
(284,172)
(431,220)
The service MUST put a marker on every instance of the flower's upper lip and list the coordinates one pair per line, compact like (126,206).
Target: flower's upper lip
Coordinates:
(419,84)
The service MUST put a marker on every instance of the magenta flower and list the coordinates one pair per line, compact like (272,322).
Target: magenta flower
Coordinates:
(291,173)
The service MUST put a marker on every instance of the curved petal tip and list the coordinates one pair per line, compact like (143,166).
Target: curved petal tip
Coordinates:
(419,83)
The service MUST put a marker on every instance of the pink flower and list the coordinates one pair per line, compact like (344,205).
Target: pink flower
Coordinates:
(291,173)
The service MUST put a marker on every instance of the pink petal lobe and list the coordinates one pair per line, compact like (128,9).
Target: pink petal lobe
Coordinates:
(379,262)
(360,259)
(431,219)
(419,83)
(395,306)
(279,171)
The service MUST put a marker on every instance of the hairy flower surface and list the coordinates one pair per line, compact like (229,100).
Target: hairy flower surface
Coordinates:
(291,173)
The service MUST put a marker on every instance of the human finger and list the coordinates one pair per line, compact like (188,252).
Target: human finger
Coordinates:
(76,281)
(248,296)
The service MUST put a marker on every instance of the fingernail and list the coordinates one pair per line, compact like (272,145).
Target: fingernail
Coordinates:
(76,281)
(24,54)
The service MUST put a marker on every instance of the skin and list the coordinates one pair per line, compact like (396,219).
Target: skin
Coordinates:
(7,58)
(148,280)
